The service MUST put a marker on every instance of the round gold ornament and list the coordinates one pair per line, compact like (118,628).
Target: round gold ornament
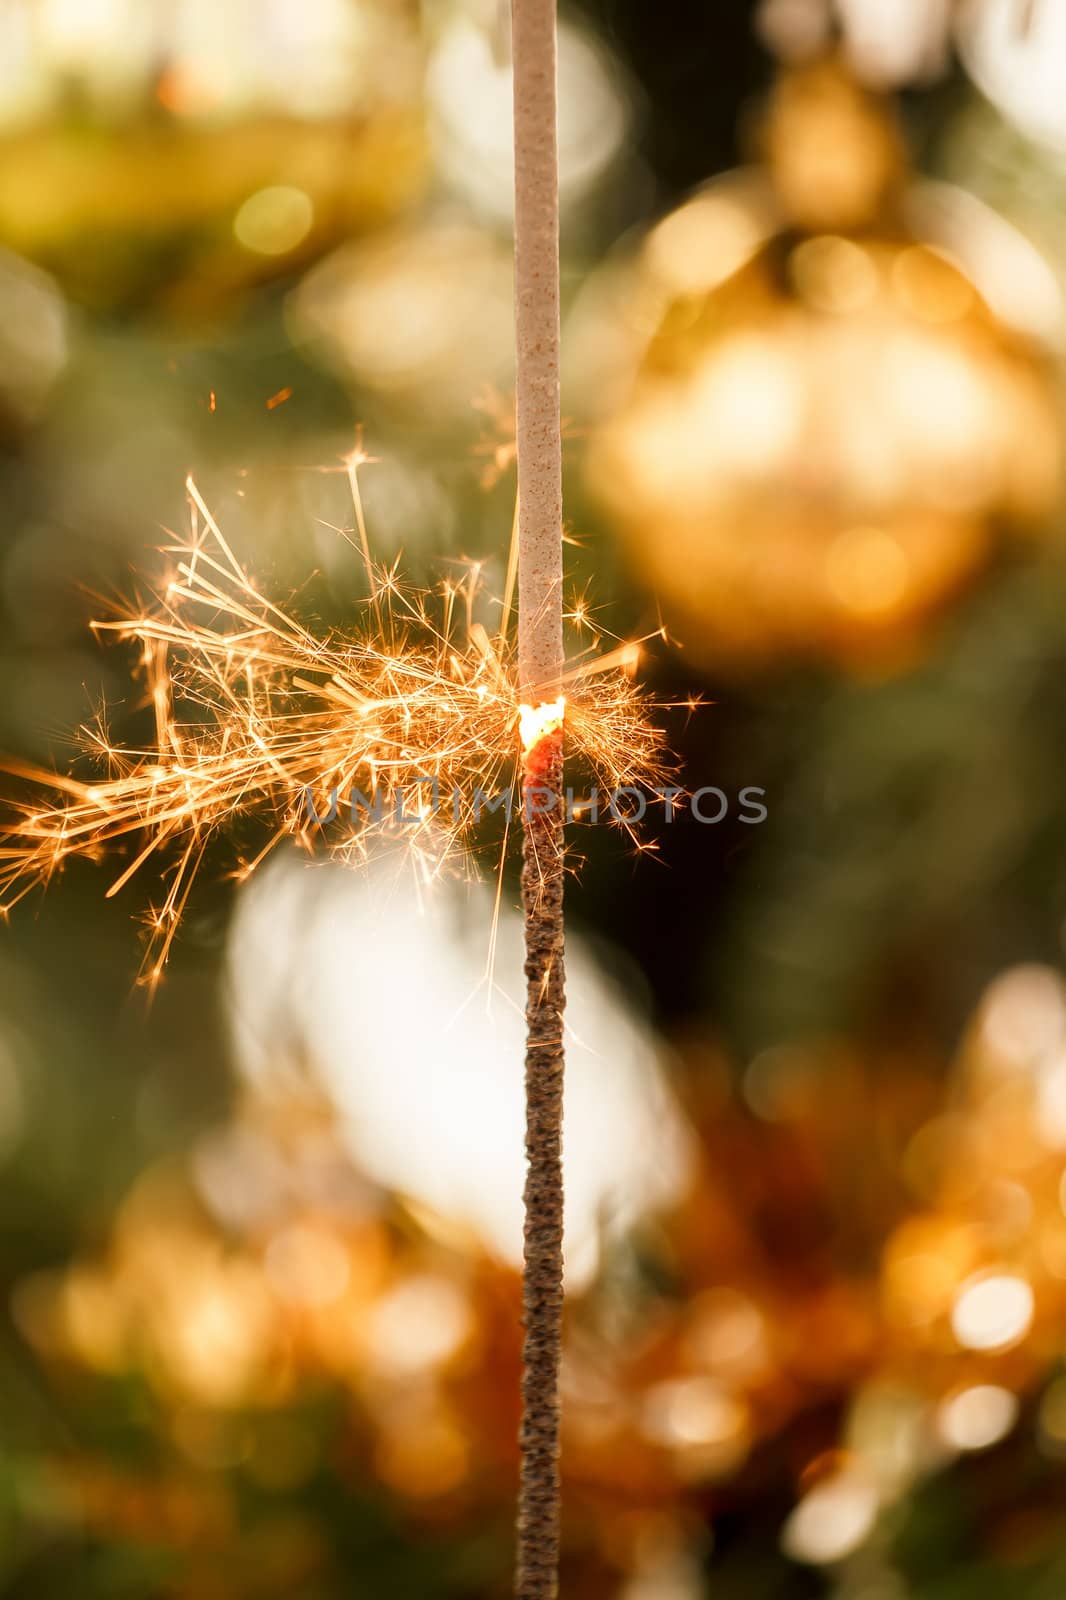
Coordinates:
(825,390)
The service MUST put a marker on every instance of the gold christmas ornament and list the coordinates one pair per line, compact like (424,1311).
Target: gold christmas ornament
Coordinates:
(824,391)
(172,154)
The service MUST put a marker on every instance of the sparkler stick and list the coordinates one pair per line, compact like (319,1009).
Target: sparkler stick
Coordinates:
(540,665)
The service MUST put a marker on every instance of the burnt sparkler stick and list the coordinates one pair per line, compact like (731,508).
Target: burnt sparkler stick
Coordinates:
(540,666)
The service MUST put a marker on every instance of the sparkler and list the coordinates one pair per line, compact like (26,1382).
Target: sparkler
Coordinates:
(257,717)
(540,666)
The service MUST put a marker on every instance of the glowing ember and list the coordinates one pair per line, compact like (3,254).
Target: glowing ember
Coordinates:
(537,722)
(258,717)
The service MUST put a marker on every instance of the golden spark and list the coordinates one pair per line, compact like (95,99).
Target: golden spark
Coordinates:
(407,722)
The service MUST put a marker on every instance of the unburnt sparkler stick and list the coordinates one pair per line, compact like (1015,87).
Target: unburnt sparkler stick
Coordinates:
(540,666)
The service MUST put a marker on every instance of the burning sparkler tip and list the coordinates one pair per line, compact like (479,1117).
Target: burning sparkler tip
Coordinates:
(538,722)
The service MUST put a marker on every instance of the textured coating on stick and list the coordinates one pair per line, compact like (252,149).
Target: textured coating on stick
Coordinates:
(542,897)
